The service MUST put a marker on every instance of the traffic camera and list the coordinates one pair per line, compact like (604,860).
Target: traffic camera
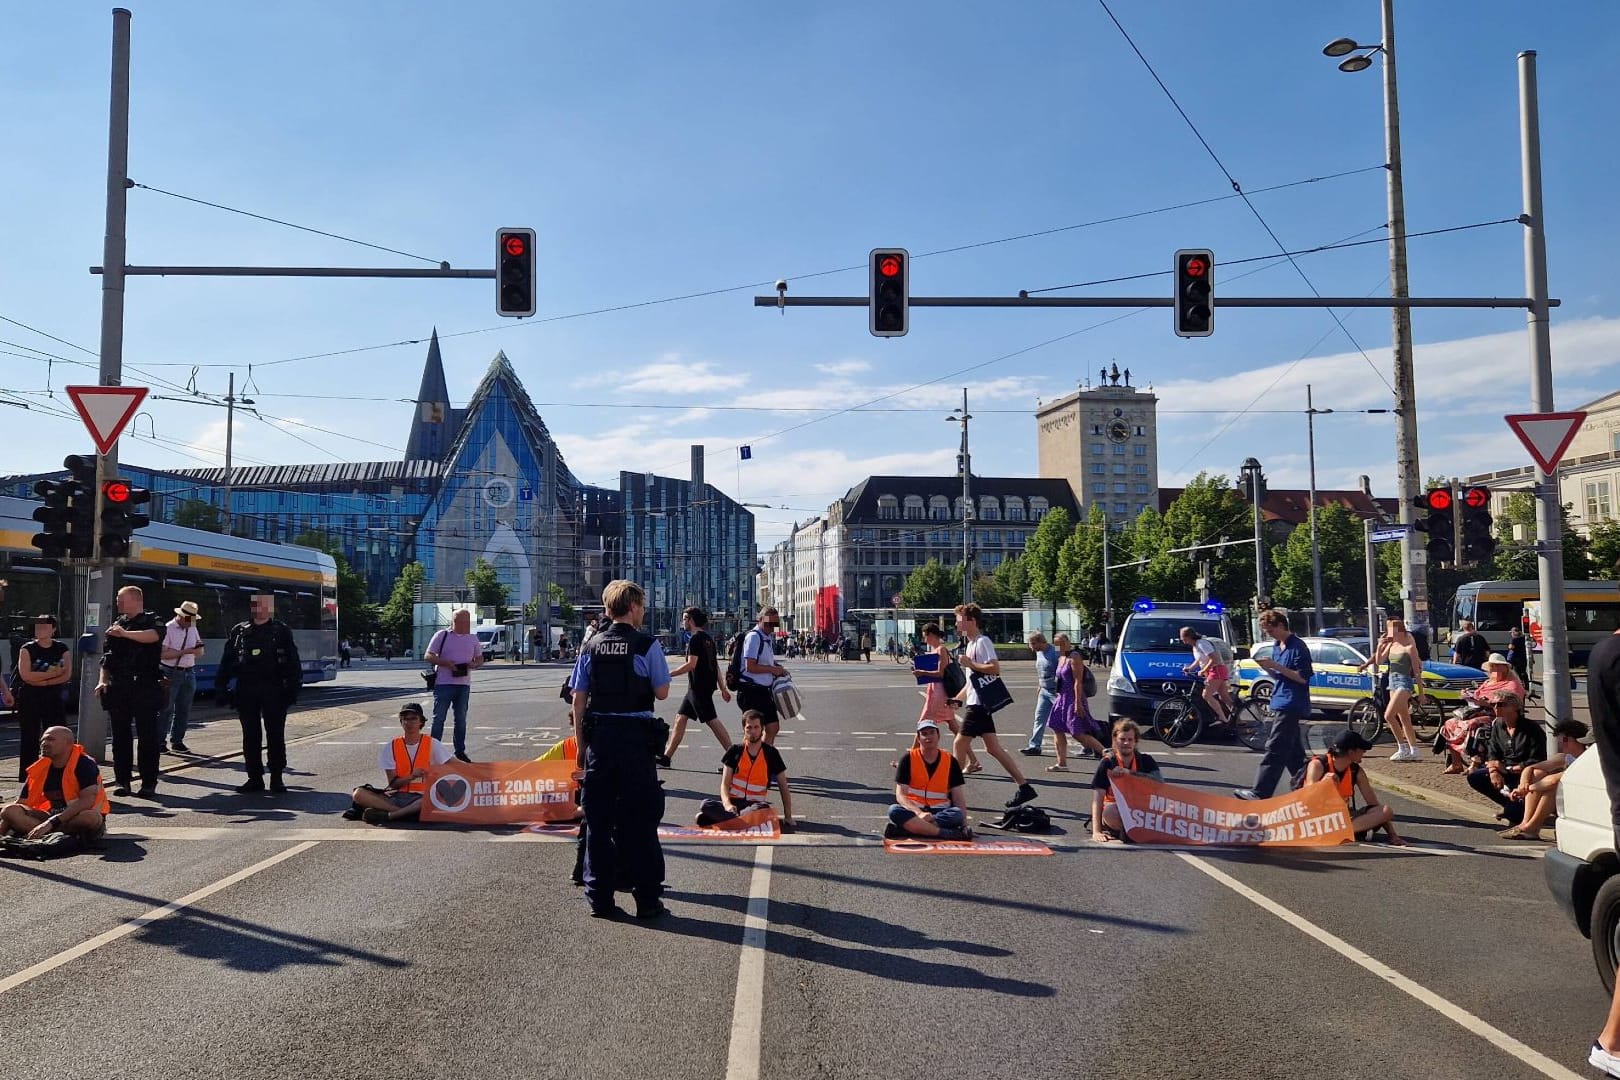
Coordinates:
(1478,544)
(119,516)
(889,305)
(514,273)
(1195,292)
(1438,523)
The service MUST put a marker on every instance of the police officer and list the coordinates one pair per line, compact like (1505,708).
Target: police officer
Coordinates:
(619,674)
(262,658)
(129,689)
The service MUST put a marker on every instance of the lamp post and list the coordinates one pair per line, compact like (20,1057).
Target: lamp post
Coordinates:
(1311,413)
(1358,57)
(964,464)
(1254,482)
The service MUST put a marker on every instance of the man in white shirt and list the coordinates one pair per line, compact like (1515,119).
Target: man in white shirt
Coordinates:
(404,761)
(759,670)
(182,645)
(978,656)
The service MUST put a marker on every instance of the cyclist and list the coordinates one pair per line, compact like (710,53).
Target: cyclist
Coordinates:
(1208,663)
(1400,650)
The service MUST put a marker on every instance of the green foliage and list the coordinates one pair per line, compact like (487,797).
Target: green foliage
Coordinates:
(395,616)
(932,585)
(1604,548)
(1516,561)
(1041,555)
(1080,567)
(1339,538)
(1208,510)
(559,598)
(197,514)
(357,615)
(488,591)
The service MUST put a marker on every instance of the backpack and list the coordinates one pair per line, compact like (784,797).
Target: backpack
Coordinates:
(1088,682)
(1024,819)
(734,666)
(1223,651)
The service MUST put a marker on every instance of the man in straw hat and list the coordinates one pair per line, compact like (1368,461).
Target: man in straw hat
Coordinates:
(182,646)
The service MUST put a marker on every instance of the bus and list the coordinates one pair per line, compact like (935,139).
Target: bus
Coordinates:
(1591,612)
(173,564)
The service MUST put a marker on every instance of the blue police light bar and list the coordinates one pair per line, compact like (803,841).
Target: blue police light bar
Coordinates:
(1214,607)
(1142,604)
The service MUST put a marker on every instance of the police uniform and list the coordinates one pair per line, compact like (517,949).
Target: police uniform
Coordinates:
(132,699)
(620,669)
(263,660)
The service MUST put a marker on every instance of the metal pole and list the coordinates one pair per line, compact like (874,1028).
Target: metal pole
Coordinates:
(1414,579)
(92,720)
(230,428)
(1108,589)
(967,507)
(1370,555)
(1555,691)
(1316,554)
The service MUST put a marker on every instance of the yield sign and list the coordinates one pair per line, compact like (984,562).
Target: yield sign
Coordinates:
(105,410)
(1546,435)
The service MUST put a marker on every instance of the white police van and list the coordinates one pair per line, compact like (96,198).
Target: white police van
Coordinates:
(1148,662)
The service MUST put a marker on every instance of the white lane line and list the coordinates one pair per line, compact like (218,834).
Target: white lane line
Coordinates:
(28,974)
(1448,1009)
(876,750)
(747,1010)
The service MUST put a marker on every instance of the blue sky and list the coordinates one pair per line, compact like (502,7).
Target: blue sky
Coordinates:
(661,150)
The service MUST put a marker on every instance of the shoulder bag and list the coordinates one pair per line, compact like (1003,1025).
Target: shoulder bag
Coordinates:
(430,675)
(993,693)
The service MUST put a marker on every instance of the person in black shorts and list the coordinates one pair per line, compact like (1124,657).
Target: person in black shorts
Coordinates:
(702,668)
(760,670)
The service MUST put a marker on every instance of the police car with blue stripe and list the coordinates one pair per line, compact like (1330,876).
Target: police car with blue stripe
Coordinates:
(1148,663)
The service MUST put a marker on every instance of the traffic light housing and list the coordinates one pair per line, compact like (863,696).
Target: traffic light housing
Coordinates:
(515,293)
(1195,292)
(69,513)
(1478,544)
(120,516)
(1438,523)
(889,305)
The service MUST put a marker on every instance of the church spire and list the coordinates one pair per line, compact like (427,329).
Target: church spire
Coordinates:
(430,435)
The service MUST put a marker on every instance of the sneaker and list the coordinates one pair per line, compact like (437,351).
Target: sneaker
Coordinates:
(610,912)
(179,748)
(663,761)
(374,816)
(1246,794)
(891,831)
(462,756)
(121,790)
(1031,751)
(1024,794)
(966,831)
(353,813)
(1603,1060)
(649,912)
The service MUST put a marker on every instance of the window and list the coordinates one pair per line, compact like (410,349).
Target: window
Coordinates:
(1098,468)
(1140,470)
(1140,430)
(1140,450)
(939,508)
(990,537)
(1119,468)
(961,508)
(989,508)
(914,508)
(1121,508)
(1141,508)
(1037,507)
(1015,508)
(1096,429)
(1097,448)
(1615,440)
(1119,449)
(1099,489)
(888,507)
(1141,489)
(1598,506)
(1119,489)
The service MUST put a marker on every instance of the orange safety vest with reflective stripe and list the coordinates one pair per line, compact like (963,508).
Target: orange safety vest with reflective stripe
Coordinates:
(1135,766)
(70,784)
(405,762)
(751,780)
(929,790)
(1346,783)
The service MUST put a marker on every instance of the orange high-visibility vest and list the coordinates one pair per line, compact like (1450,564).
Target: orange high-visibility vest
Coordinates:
(1346,783)
(70,784)
(570,749)
(1108,792)
(930,790)
(751,780)
(405,763)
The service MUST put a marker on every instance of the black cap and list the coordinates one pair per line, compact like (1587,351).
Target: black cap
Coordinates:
(1349,740)
(411,707)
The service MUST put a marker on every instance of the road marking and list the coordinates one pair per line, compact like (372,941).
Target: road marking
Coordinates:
(1448,1009)
(747,1009)
(875,750)
(28,974)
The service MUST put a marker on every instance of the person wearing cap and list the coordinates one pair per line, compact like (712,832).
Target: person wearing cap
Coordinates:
(747,771)
(1343,764)
(1514,744)
(44,666)
(1538,786)
(1122,757)
(404,761)
(182,646)
(1461,726)
(930,792)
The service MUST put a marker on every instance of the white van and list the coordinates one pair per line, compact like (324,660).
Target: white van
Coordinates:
(495,640)
(1583,871)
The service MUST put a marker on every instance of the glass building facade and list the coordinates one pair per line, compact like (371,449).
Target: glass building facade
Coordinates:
(688,544)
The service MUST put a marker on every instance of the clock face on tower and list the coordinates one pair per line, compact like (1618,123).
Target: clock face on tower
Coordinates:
(1119,430)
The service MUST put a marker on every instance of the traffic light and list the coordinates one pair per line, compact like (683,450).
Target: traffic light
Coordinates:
(120,517)
(69,512)
(1478,544)
(1438,523)
(514,273)
(1195,292)
(889,308)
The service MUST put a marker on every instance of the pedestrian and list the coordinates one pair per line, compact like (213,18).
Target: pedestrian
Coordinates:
(1289,704)
(262,658)
(1071,710)
(1603,702)
(6,700)
(702,669)
(936,700)
(1047,658)
(893,648)
(620,673)
(130,692)
(455,654)
(345,657)
(759,670)
(182,645)
(866,647)
(978,656)
(1470,649)
(44,668)
(1518,654)
(1398,648)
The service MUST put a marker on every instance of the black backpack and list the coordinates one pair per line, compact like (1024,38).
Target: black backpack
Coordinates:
(734,667)
(1025,819)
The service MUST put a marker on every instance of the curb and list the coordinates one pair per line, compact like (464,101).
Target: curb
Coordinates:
(1461,807)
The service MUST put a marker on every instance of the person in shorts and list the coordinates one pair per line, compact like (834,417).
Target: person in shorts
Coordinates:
(1206,661)
(978,656)
(404,761)
(702,669)
(760,670)
(1106,824)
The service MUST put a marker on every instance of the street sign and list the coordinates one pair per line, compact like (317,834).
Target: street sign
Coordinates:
(1385,536)
(106,410)
(525,494)
(1546,435)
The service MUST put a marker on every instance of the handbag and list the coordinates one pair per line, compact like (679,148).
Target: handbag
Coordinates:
(953,679)
(430,676)
(993,693)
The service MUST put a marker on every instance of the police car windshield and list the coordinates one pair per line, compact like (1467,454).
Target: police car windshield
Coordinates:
(1163,634)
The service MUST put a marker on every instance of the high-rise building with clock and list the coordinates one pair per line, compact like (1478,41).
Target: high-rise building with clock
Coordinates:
(1104,441)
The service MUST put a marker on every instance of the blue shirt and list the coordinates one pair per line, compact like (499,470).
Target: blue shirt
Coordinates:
(1046,665)
(1289,697)
(651,665)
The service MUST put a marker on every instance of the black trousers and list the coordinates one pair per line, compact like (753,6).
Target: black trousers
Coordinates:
(623,804)
(33,717)
(132,712)
(264,726)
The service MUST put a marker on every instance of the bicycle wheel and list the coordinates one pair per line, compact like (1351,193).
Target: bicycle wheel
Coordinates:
(1427,717)
(1176,722)
(1250,725)
(1365,719)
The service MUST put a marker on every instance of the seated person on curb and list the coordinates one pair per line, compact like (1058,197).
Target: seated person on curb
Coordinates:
(405,762)
(930,793)
(1343,763)
(1106,823)
(63,793)
(1538,785)
(746,773)
(1513,745)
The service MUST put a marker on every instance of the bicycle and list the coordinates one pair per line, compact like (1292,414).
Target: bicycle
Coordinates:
(1182,717)
(1366,715)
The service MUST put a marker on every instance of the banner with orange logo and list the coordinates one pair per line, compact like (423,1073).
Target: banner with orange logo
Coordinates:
(500,792)
(1155,813)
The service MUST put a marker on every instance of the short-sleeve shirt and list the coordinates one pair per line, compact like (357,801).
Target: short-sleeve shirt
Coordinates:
(1202,648)
(456,649)
(1046,665)
(1472,649)
(126,659)
(442,752)
(1288,697)
(1525,746)
(651,665)
(87,772)
(981,650)
(774,765)
(757,647)
(1145,765)
(180,638)
(704,678)
(902,774)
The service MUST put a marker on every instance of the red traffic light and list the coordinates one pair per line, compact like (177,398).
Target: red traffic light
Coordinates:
(1477,498)
(1196,267)
(889,266)
(115,491)
(514,245)
(1439,499)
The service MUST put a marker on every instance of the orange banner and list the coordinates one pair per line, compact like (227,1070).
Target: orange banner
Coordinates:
(500,792)
(924,846)
(760,823)
(1155,813)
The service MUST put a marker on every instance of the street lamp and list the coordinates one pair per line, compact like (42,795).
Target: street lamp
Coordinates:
(964,464)
(1311,413)
(1358,57)
(1254,482)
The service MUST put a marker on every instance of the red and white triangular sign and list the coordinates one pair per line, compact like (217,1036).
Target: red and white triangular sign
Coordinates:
(105,410)
(1546,435)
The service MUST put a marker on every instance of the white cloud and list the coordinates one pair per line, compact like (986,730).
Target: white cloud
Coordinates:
(674,376)
(844,367)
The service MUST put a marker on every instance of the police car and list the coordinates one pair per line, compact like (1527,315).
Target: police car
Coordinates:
(1337,682)
(1148,664)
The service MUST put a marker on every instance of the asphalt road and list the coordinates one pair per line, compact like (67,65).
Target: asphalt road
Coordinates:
(238,936)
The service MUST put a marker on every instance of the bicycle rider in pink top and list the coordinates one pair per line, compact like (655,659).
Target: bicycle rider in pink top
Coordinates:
(1208,664)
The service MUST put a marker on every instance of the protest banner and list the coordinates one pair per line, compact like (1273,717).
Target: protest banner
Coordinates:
(500,792)
(924,846)
(760,823)
(1155,813)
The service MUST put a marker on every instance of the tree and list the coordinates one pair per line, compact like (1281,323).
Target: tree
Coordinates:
(357,615)
(488,589)
(1041,554)
(932,585)
(197,514)
(1208,510)
(1080,564)
(1005,588)
(565,610)
(1516,561)
(1344,573)
(397,614)
(1604,541)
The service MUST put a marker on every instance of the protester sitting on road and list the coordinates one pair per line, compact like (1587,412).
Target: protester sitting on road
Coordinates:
(1514,744)
(1343,764)
(1476,713)
(63,793)
(747,771)
(1106,824)
(404,761)
(1071,711)
(1538,785)
(930,792)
